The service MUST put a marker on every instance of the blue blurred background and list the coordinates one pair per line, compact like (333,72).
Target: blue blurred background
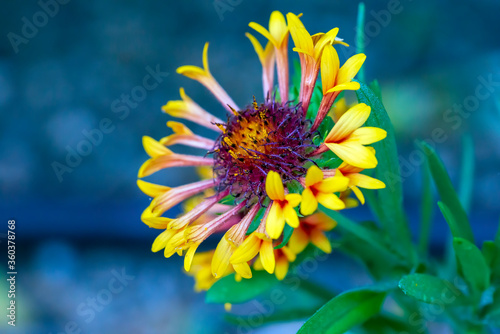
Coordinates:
(79,229)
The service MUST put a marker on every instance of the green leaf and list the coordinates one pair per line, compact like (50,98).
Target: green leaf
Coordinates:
(227,290)
(295,187)
(467,173)
(256,221)
(360,36)
(228,200)
(277,316)
(363,233)
(375,87)
(448,194)
(390,199)
(490,252)
(325,127)
(474,267)
(493,310)
(345,311)
(287,233)
(328,159)
(389,324)
(379,267)
(450,219)
(291,300)
(427,210)
(430,289)
(316,98)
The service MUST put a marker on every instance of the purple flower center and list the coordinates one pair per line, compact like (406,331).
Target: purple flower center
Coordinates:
(261,138)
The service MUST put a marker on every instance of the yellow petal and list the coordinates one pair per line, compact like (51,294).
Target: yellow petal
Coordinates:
(293,199)
(161,240)
(368,135)
(179,128)
(282,266)
(329,68)
(188,258)
(277,27)
(365,181)
(151,189)
(300,36)
(263,31)
(222,254)
(243,269)
(344,86)
(314,175)
(275,221)
(247,250)
(331,201)
(257,47)
(350,68)
(258,264)
(325,40)
(291,216)
(153,148)
(291,256)
(205,58)
(274,186)
(353,118)
(333,184)
(309,202)
(319,240)
(358,194)
(192,72)
(156,222)
(298,240)
(267,256)
(354,154)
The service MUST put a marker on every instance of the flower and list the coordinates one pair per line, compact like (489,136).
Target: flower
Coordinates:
(319,189)
(347,138)
(334,80)
(283,257)
(311,230)
(252,173)
(310,49)
(358,180)
(282,206)
(278,37)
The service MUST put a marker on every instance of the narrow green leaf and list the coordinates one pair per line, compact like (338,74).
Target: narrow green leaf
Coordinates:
(328,159)
(277,316)
(467,173)
(365,234)
(287,234)
(256,221)
(450,219)
(228,200)
(345,311)
(390,199)
(360,36)
(426,209)
(490,252)
(390,324)
(448,194)
(375,87)
(227,290)
(474,267)
(493,310)
(430,289)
